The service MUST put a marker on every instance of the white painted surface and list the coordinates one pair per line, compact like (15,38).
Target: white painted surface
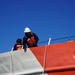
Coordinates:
(20,62)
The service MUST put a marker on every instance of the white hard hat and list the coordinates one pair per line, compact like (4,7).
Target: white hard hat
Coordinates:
(27,30)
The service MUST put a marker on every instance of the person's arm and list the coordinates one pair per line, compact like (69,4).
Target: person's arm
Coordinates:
(36,38)
(24,44)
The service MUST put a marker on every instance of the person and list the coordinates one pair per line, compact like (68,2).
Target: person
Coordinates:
(30,39)
(18,45)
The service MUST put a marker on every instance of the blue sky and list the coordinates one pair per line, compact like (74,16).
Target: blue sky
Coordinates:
(47,18)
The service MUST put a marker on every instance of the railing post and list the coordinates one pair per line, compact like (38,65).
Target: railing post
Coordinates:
(45,53)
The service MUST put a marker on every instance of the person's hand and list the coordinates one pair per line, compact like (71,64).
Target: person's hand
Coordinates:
(25,49)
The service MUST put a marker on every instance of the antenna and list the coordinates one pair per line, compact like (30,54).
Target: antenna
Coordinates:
(49,41)
(11,49)
(45,52)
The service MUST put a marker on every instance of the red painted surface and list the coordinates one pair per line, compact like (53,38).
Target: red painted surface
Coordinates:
(59,60)
(71,72)
(39,53)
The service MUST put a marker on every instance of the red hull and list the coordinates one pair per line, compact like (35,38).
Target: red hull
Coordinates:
(56,59)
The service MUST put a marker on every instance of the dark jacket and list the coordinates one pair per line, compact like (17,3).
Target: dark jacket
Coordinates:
(30,39)
(18,45)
